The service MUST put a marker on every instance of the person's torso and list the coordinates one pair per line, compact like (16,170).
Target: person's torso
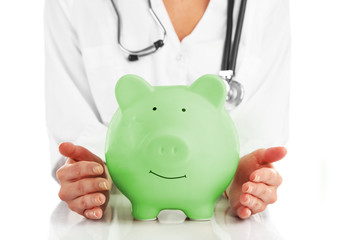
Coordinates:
(177,63)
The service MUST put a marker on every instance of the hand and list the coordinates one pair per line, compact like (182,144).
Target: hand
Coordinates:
(255,182)
(84,181)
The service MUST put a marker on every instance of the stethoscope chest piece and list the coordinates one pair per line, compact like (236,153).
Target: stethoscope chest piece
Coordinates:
(235,94)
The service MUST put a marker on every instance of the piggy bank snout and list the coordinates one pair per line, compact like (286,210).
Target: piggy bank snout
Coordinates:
(169,148)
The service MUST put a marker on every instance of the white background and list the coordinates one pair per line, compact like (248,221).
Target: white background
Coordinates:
(308,200)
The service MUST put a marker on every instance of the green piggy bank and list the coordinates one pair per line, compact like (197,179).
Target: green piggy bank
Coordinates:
(171,147)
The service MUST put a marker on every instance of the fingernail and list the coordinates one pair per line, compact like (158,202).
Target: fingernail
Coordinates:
(100,199)
(89,214)
(249,189)
(247,200)
(97,169)
(248,212)
(103,185)
(95,214)
(97,199)
(256,178)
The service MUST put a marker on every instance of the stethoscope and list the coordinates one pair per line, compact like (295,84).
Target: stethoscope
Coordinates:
(235,93)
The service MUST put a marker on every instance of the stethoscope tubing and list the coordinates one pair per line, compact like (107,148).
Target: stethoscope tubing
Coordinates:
(237,35)
(228,38)
(229,59)
(148,50)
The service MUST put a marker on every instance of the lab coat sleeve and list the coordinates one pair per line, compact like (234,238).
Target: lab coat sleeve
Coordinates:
(71,114)
(263,119)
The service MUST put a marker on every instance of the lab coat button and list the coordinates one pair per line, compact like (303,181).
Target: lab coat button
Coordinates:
(179,57)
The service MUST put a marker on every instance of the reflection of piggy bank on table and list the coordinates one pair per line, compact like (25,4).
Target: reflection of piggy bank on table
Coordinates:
(171,147)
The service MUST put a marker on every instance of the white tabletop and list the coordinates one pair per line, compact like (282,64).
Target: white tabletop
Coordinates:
(118,223)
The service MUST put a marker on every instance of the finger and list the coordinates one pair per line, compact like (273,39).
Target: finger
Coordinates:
(270,155)
(77,152)
(94,213)
(267,194)
(268,176)
(72,190)
(244,212)
(85,202)
(70,161)
(79,170)
(253,203)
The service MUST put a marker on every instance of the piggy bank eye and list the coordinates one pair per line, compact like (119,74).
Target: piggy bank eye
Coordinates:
(154,108)
(184,109)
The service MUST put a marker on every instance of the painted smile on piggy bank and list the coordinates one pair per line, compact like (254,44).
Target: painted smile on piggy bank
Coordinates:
(171,147)
(166,177)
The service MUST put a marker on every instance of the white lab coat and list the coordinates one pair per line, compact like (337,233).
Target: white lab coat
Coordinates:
(83,63)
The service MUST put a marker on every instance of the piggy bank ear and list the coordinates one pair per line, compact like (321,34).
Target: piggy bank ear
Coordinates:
(211,87)
(130,88)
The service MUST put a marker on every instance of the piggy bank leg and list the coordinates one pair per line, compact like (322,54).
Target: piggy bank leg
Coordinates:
(144,212)
(203,212)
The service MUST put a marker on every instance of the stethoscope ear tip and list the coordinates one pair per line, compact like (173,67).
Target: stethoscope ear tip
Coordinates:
(156,45)
(159,44)
(132,58)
